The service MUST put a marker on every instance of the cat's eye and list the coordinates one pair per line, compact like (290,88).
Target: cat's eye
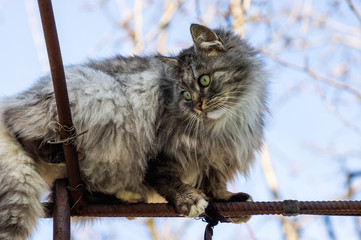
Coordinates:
(187,95)
(204,80)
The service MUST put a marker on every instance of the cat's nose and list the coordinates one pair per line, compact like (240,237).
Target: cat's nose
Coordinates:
(198,106)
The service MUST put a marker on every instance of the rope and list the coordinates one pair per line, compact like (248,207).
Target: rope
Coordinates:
(213,218)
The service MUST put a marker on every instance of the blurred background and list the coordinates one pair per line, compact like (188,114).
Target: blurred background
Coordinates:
(312,51)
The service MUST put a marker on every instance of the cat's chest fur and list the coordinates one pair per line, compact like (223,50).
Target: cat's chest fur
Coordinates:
(201,153)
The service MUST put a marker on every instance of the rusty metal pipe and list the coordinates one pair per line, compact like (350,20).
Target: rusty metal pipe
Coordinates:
(227,209)
(61,95)
(61,211)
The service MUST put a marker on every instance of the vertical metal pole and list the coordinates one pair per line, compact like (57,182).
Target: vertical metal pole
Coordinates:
(61,215)
(61,211)
(61,96)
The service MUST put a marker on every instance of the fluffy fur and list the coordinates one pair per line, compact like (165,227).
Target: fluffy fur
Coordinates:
(143,135)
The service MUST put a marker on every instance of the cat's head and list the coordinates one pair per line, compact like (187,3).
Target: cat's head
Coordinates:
(215,78)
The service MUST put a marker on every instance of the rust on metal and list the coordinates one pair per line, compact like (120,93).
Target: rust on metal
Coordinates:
(61,211)
(227,209)
(61,96)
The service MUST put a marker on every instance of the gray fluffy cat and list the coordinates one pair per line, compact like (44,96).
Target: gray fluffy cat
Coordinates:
(179,126)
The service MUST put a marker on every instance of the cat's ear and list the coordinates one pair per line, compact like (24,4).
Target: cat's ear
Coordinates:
(205,38)
(169,61)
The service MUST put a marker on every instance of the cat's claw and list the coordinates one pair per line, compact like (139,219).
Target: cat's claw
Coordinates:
(191,204)
(198,209)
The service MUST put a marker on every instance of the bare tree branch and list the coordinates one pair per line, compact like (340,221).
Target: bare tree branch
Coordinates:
(138,25)
(37,34)
(346,122)
(313,74)
(354,10)
(237,10)
(289,228)
(168,11)
(150,224)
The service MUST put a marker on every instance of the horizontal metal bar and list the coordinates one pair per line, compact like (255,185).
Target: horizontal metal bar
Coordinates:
(227,209)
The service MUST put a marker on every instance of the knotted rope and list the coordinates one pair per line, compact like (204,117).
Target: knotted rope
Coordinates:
(212,218)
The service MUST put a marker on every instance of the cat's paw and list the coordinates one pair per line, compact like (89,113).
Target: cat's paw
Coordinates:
(191,204)
(240,197)
(238,220)
(130,197)
(198,208)
(226,196)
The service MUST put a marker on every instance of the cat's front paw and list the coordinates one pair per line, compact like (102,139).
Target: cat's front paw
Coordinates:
(191,204)
(129,197)
(240,197)
(226,196)
(198,208)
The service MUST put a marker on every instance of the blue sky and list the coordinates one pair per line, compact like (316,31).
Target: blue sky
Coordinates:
(301,121)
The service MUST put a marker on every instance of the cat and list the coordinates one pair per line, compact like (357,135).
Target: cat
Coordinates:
(180,127)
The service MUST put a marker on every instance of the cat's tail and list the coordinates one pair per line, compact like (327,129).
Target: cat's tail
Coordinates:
(20,189)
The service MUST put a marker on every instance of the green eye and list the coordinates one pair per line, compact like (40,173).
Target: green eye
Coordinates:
(187,95)
(204,80)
